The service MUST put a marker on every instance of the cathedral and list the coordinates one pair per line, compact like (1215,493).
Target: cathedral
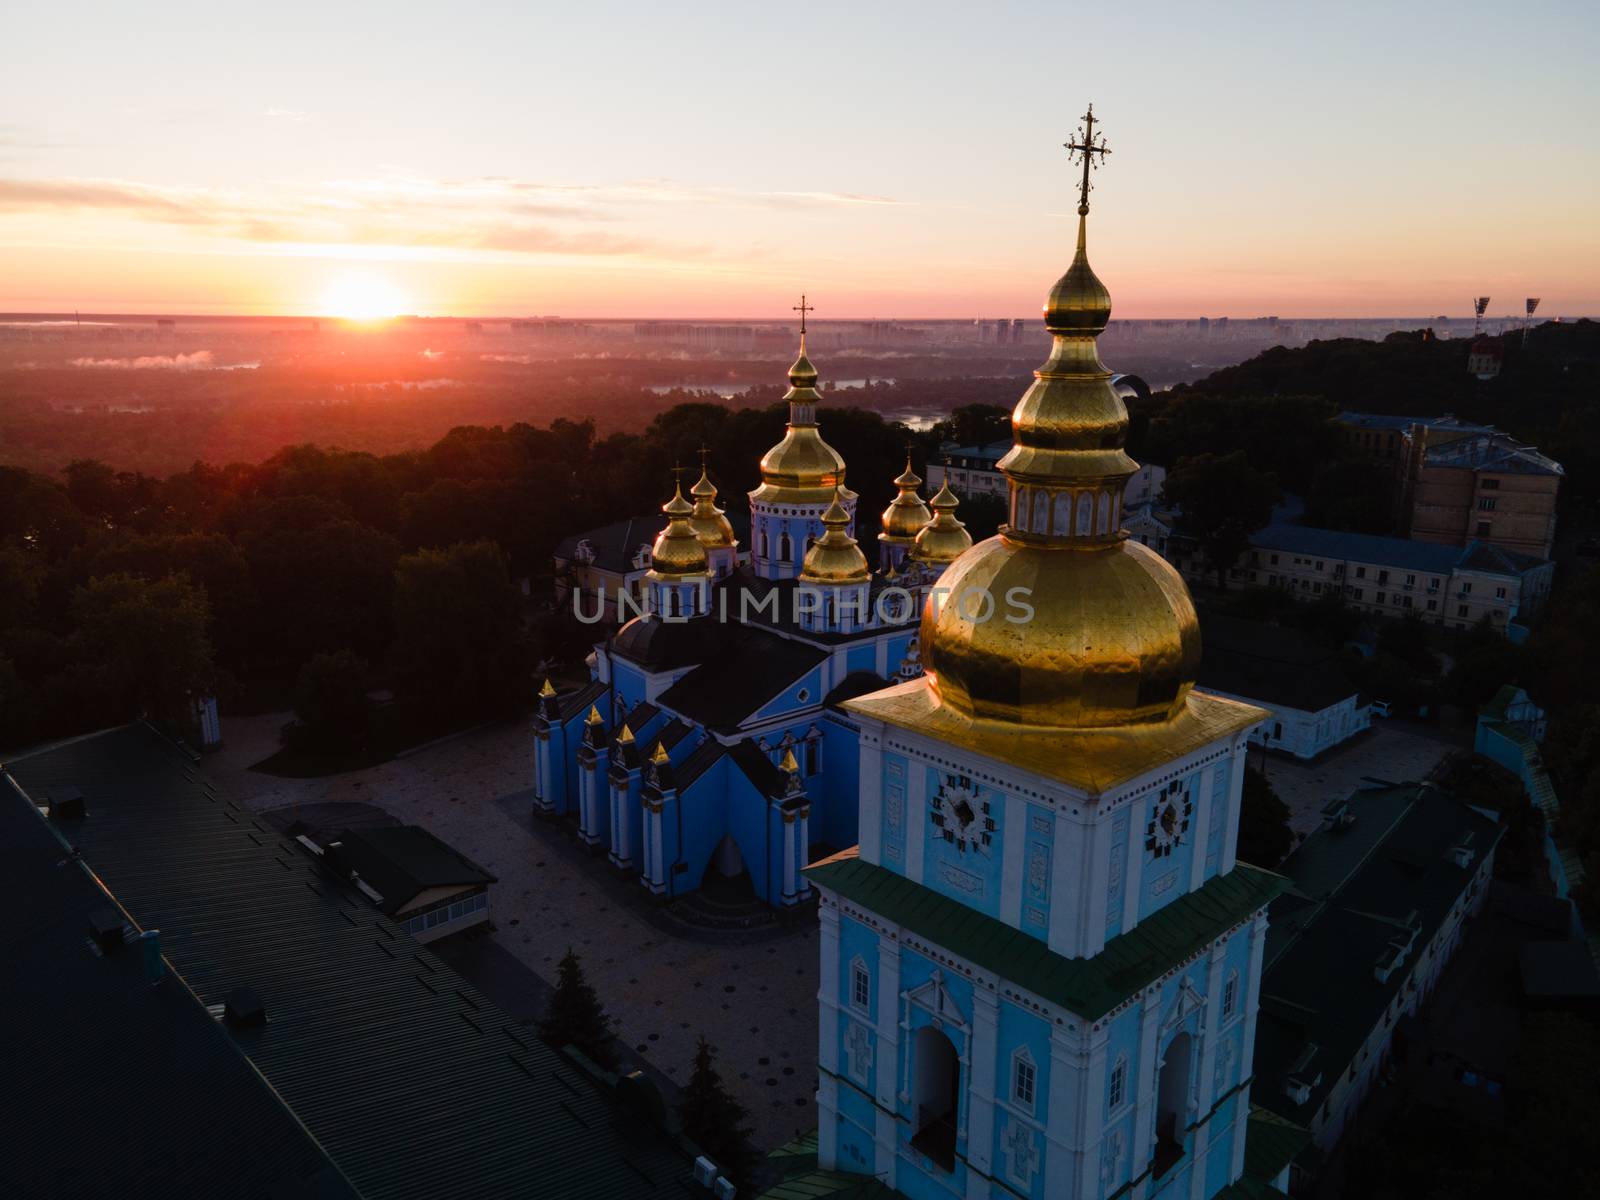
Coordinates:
(1041,965)
(709,738)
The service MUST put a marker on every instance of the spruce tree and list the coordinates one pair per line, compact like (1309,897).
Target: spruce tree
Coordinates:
(576,1017)
(713,1119)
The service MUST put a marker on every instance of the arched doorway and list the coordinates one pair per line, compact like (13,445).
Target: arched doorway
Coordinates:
(935,1096)
(1172,1101)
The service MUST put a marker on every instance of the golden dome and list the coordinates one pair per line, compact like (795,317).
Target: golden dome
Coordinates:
(1113,639)
(906,514)
(801,469)
(943,539)
(709,522)
(834,557)
(677,550)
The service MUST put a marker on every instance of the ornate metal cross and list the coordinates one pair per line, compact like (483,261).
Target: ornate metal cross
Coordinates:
(1085,147)
(803,308)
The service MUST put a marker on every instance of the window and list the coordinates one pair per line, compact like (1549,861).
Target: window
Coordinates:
(1499,593)
(1382,597)
(1383,577)
(1486,503)
(1230,996)
(1466,589)
(1119,1084)
(1274,560)
(1461,610)
(1024,1078)
(860,985)
(1411,581)
(1432,605)
(1319,564)
(811,756)
(1355,593)
(1361,572)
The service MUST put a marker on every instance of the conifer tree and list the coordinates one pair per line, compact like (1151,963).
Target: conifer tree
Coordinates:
(576,1017)
(712,1119)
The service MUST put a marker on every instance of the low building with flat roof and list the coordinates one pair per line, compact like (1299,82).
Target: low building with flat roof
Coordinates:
(427,888)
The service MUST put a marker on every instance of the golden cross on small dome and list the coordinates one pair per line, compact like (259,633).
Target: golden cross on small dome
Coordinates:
(803,308)
(1087,145)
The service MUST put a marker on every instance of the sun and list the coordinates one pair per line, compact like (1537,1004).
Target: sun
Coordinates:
(363,297)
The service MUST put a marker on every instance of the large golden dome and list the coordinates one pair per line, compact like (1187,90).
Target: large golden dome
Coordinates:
(801,469)
(678,551)
(907,513)
(1112,638)
(834,557)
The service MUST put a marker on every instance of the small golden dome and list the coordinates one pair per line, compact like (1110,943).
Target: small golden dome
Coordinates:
(802,468)
(710,523)
(906,514)
(943,539)
(677,550)
(834,557)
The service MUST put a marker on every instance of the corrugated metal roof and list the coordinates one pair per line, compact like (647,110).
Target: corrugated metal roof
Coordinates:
(415,1084)
(1433,557)
(1089,987)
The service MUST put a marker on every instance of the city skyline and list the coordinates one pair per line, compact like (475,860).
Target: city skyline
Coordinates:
(623,162)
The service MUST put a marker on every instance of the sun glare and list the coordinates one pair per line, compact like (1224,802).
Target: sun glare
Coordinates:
(362,298)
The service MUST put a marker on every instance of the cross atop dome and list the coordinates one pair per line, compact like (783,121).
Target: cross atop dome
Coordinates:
(803,308)
(1083,149)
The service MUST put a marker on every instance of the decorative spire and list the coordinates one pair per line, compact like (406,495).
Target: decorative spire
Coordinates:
(906,514)
(1067,468)
(802,468)
(660,756)
(834,557)
(709,522)
(944,538)
(594,717)
(788,766)
(625,735)
(803,395)
(548,689)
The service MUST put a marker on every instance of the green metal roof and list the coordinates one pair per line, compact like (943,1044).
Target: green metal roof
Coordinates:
(1271,1143)
(802,1179)
(1090,987)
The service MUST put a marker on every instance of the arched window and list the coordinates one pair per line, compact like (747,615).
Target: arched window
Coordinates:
(785,549)
(1105,513)
(1172,1102)
(764,553)
(1230,995)
(860,985)
(672,602)
(1024,1079)
(1041,511)
(1085,515)
(1062,521)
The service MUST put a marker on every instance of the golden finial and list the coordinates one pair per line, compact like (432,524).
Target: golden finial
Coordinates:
(788,764)
(660,756)
(594,717)
(1085,147)
(625,735)
(548,689)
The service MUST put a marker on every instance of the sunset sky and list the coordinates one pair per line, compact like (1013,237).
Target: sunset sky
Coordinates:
(607,160)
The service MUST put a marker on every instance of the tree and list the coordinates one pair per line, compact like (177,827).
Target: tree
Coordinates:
(145,642)
(576,1016)
(1264,833)
(459,645)
(713,1120)
(330,700)
(1222,501)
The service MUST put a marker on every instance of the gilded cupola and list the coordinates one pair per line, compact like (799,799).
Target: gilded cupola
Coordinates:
(834,557)
(678,552)
(906,514)
(802,468)
(709,522)
(1112,638)
(943,539)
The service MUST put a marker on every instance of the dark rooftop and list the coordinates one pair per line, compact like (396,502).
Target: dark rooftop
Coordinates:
(117,1087)
(413,1082)
(755,669)
(400,862)
(1270,663)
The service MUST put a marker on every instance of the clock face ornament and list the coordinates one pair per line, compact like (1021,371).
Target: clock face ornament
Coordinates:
(960,817)
(1170,812)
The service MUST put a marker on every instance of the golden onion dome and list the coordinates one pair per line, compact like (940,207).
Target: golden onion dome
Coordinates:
(677,550)
(802,468)
(906,514)
(709,522)
(834,557)
(943,539)
(1112,638)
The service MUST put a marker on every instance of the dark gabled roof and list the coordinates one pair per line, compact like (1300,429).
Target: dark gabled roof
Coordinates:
(757,767)
(1495,560)
(701,759)
(118,1088)
(579,702)
(1089,987)
(659,644)
(755,668)
(673,732)
(640,715)
(400,862)
(800,1177)
(414,1083)
(1269,663)
(614,545)
(1493,452)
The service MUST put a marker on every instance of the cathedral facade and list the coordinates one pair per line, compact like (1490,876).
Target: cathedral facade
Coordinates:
(1040,967)
(710,738)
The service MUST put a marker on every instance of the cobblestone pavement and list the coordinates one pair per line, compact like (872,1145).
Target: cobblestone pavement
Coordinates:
(1386,751)
(755,1002)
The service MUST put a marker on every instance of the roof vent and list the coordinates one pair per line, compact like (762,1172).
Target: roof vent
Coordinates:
(723,1189)
(1297,1085)
(105,925)
(67,806)
(1336,815)
(243,1009)
(1461,853)
(705,1171)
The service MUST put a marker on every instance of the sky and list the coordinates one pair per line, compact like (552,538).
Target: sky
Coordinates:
(714,160)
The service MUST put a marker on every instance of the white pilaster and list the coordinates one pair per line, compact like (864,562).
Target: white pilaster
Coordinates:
(1097,881)
(1200,827)
(788,856)
(1013,868)
(1133,864)
(916,816)
(1144,1120)
(1230,834)
(1066,887)
(870,796)
(828,990)
(981,1084)
(803,845)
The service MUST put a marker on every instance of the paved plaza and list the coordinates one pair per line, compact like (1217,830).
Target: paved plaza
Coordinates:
(1390,751)
(755,1002)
